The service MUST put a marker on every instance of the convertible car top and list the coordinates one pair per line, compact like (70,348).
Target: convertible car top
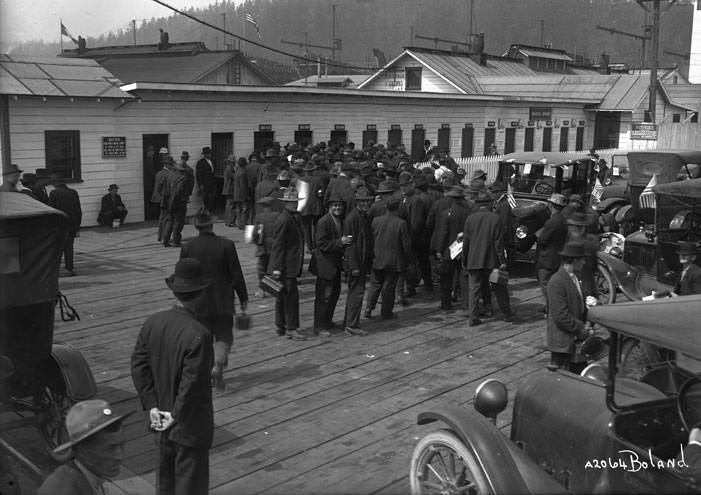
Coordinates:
(551,158)
(643,320)
(665,164)
(687,188)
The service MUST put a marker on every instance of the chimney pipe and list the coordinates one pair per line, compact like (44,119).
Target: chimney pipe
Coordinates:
(604,64)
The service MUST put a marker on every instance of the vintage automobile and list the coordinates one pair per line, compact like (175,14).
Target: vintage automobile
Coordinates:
(599,432)
(43,379)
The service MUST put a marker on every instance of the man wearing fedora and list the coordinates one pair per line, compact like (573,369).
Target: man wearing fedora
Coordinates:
(263,236)
(111,208)
(220,264)
(96,437)
(550,239)
(204,175)
(65,199)
(10,179)
(314,209)
(171,369)
(328,261)
(478,178)
(413,211)
(690,279)
(577,225)
(567,310)
(286,261)
(174,202)
(160,185)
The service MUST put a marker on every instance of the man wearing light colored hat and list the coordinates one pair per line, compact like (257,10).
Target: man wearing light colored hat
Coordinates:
(96,437)
(550,239)
(176,391)
(10,179)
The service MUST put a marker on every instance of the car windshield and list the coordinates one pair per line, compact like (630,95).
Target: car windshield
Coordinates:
(536,178)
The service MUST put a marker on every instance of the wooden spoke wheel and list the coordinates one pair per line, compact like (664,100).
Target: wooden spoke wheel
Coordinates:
(52,426)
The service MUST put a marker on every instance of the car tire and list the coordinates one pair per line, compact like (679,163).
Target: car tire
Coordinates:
(604,285)
(637,358)
(434,456)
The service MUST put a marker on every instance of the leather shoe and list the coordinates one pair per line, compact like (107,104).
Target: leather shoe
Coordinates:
(295,335)
(322,332)
(474,322)
(410,292)
(487,313)
(508,318)
(280,331)
(390,317)
(167,244)
(355,331)
(368,313)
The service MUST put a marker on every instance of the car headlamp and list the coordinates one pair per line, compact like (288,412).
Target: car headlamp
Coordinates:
(521,232)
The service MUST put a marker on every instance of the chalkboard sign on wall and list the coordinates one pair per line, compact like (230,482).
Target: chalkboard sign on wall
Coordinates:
(114,147)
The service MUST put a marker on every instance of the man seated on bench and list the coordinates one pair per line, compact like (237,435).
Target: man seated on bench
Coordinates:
(112,208)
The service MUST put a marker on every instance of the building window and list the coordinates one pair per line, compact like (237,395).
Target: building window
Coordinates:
(412,78)
(528,139)
(62,149)
(547,138)
(694,117)
(564,138)
(676,117)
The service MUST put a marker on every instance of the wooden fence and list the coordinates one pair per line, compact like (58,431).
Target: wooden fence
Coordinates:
(684,135)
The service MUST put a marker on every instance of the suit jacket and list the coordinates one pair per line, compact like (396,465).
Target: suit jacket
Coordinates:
(171,369)
(110,204)
(566,312)
(40,193)
(253,172)
(359,254)
(483,241)
(414,211)
(204,174)
(550,242)
(432,219)
(67,200)
(228,186)
(263,231)
(287,256)
(159,185)
(690,283)
(328,254)
(241,191)
(450,223)
(392,245)
(220,264)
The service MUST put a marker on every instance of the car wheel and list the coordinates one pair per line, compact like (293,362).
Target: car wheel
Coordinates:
(442,464)
(52,426)
(604,285)
(637,358)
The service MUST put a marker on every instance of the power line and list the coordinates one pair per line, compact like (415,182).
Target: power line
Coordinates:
(261,45)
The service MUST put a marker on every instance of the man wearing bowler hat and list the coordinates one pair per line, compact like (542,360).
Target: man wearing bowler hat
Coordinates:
(220,265)
(567,310)
(111,208)
(204,174)
(690,279)
(449,225)
(171,369)
(550,238)
(96,437)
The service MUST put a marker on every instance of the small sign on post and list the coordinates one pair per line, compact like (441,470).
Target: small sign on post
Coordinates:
(114,147)
(643,130)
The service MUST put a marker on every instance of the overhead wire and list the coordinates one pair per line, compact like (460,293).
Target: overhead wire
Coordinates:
(256,43)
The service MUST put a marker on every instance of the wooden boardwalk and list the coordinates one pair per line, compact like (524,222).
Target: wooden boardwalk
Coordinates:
(328,415)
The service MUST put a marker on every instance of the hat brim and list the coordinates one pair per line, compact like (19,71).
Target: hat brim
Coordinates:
(65,446)
(185,288)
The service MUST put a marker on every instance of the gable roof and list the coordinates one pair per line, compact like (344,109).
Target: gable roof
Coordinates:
(538,51)
(685,95)
(45,76)
(340,80)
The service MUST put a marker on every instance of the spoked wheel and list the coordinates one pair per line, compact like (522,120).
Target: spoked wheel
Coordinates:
(52,427)
(637,358)
(441,464)
(604,285)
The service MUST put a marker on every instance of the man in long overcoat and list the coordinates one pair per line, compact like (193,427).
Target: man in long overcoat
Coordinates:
(451,222)
(328,261)
(67,200)
(392,248)
(567,310)
(242,193)
(160,183)
(482,251)
(174,203)
(220,265)
(359,254)
(170,368)
(551,237)
(286,260)
(204,173)
(314,209)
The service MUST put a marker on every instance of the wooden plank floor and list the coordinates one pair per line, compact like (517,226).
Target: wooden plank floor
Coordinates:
(330,415)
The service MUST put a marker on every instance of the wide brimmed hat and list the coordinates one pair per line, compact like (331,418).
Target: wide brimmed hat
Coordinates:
(363,194)
(310,166)
(557,199)
(187,276)
(290,195)
(573,249)
(578,218)
(687,248)
(388,186)
(456,192)
(477,174)
(206,150)
(298,164)
(577,198)
(405,178)
(12,169)
(335,198)
(163,151)
(202,220)
(113,187)
(86,418)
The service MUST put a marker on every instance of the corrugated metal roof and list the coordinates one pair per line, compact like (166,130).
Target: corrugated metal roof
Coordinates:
(44,76)
(687,95)
(354,79)
(592,88)
(534,52)
(626,94)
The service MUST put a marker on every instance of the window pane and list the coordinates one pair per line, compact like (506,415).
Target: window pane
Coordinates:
(413,78)
(63,153)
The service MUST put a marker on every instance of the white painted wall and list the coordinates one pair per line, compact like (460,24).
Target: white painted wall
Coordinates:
(695,49)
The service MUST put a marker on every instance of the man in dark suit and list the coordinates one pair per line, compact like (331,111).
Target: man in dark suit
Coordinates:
(482,251)
(359,255)
(451,223)
(67,200)
(220,264)
(286,260)
(314,209)
(263,236)
(690,279)
(170,368)
(253,174)
(174,204)
(550,239)
(204,173)
(111,208)
(328,261)
(160,185)
(392,248)
(39,188)
(414,211)
(567,310)
(341,186)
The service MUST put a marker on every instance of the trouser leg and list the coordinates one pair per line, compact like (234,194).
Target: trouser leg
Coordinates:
(192,468)
(229,211)
(375,288)
(165,465)
(485,290)
(388,289)
(501,291)
(291,303)
(307,229)
(162,223)
(262,265)
(425,266)
(320,289)
(179,222)
(333,298)
(354,300)
(543,277)
(446,287)
(68,252)
(474,290)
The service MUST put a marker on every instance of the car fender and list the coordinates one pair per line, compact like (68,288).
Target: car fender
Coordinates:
(606,205)
(507,469)
(624,276)
(71,366)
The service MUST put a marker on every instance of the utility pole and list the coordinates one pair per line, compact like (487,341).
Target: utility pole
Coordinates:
(333,32)
(643,37)
(133,28)
(437,40)
(472,14)
(223,15)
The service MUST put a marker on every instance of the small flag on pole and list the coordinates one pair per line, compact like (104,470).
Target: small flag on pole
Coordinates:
(249,18)
(510,196)
(598,190)
(64,32)
(647,197)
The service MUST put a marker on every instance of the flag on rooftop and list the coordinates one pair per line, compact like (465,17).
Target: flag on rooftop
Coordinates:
(647,197)
(249,18)
(598,190)
(64,32)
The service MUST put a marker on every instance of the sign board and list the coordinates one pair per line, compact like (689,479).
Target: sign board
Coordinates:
(339,127)
(418,126)
(540,113)
(265,127)
(643,130)
(304,127)
(114,147)
(372,127)
(491,123)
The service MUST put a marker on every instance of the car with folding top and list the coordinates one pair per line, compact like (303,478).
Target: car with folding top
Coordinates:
(601,431)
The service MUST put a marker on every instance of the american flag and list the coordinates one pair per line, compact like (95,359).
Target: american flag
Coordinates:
(647,198)
(249,18)
(598,190)
(510,196)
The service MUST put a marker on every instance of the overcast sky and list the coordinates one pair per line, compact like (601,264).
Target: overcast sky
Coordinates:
(24,20)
